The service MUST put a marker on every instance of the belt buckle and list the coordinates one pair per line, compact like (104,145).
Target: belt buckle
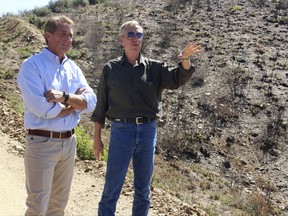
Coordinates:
(137,120)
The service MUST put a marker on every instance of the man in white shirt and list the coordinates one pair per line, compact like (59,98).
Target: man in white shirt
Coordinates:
(55,93)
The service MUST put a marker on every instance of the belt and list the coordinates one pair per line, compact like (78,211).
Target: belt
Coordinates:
(137,120)
(51,134)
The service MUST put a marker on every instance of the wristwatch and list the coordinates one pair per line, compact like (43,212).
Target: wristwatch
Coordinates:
(66,96)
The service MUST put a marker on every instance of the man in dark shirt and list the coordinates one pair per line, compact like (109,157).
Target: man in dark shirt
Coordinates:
(128,95)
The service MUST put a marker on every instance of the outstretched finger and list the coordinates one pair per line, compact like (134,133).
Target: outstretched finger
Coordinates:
(195,48)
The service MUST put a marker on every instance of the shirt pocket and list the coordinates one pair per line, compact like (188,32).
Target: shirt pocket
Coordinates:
(148,92)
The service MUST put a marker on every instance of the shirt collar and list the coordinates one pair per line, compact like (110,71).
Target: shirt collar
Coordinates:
(52,57)
(141,59)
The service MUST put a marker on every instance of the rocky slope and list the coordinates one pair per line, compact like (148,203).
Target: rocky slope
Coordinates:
(228,125)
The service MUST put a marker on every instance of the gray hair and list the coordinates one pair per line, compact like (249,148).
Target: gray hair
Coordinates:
(126,24)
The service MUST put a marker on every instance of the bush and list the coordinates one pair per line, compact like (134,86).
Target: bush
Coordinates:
(84,144)
(81,3)
(15,101)
(41,12)
(25,52)
(59,6)
(6,73)
(74,54)
(93,2)
(235,8)
(37,21)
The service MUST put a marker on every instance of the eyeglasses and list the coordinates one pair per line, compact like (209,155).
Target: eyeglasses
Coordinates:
(139,35)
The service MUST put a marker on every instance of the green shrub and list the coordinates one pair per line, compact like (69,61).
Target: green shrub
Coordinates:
(85,145)
(105,3)
(7,73)
(41,12)
(25,52)
(37,21)
(93,2)
(104,157)
(79,3)
(15,102)
(59,6)
(235,8)
(74,54)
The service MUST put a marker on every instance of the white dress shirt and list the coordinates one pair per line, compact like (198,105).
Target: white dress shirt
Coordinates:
(42,72)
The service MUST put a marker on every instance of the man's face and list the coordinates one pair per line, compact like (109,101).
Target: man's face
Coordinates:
(61,40)
(132,38)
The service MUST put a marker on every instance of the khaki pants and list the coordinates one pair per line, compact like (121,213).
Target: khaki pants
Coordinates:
(49,167)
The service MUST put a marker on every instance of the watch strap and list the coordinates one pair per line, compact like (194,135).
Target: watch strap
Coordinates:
(66,96)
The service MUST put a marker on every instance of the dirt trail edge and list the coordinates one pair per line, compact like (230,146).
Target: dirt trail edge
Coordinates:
(86,188)
(12,184)
(85,192)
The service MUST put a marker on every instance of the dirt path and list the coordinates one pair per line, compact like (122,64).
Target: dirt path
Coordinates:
(12,184)
(86,188)
(85,192)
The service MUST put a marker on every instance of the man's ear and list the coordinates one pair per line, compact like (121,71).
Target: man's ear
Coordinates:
(47,35)
(120,41)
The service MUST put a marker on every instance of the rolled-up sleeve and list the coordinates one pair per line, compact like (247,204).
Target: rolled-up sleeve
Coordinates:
(90,99)
(88,95)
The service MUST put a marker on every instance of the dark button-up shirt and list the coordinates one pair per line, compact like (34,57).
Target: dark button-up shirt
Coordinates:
(128,91)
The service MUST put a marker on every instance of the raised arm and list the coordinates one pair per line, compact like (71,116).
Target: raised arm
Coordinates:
(187,52)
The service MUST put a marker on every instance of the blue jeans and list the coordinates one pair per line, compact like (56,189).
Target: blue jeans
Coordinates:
(128,141)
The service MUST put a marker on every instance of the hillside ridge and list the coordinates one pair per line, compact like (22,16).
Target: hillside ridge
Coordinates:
(224,133)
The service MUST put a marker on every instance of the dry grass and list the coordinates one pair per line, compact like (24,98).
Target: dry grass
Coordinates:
(193,121)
